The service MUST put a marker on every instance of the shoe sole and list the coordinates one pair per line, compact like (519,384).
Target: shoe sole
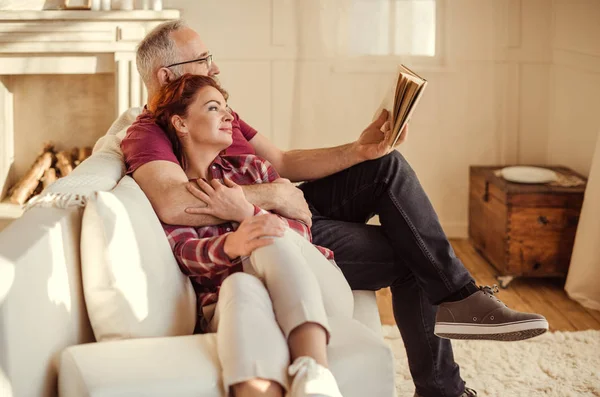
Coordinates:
(506,332)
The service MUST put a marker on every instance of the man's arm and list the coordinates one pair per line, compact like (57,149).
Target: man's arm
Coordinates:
(309,164)
(164,183)
(167,187)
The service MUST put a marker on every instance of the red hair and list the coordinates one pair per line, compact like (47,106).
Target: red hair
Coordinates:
(174,98)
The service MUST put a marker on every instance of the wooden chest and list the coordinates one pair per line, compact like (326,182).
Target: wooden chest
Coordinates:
(523,229)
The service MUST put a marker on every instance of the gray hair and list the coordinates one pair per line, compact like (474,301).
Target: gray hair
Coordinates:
(157,49)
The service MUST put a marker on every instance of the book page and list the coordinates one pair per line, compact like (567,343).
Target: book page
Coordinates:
(407,99)
(405,70)
(406,118)
(414,86)
(388,99)
(400,100)
(403,84)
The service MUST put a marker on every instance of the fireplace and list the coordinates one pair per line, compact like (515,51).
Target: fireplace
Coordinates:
(64,77)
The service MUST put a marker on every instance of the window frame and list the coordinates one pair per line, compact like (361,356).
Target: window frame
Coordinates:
(387,63)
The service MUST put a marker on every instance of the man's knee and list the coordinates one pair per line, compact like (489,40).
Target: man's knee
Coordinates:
(394,160)
(392,164)
(405,281)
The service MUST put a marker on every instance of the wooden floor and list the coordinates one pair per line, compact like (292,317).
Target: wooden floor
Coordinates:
(543,296)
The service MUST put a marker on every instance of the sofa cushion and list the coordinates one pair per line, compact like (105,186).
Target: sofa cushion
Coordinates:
(132,284)
(361,362)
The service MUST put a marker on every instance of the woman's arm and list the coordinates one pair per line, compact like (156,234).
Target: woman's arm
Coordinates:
(200,256)
(210,256)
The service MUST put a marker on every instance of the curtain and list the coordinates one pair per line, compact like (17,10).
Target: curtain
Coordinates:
(584,273)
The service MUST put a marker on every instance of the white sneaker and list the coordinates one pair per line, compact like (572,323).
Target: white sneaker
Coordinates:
(312,379)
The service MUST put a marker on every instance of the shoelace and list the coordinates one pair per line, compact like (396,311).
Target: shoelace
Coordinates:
(491,291)
(469,393)
(303,365)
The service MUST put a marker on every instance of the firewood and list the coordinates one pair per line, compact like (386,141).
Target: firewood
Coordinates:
(84,153)
(75,156)
(48,146)
(63,163)
(38,189)
(27,185)
(49,177)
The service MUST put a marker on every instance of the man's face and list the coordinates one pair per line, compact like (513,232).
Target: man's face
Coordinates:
(192,47)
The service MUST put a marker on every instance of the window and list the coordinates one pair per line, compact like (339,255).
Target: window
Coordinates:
(382,28)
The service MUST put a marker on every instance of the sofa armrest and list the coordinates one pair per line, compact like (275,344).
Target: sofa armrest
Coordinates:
(186,366)
(42,310)
(366,310)
(171,366)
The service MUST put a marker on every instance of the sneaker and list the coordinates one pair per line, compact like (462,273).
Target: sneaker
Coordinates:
(483,316)
(467,393)
(312,379)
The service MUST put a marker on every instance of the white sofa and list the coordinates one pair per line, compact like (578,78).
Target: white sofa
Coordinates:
(47,346)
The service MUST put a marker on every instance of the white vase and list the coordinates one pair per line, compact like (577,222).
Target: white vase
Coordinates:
(96,5)
(157,5)
(105,5)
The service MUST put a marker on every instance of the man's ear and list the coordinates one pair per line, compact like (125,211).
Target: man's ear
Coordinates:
(180,125)
(164,75)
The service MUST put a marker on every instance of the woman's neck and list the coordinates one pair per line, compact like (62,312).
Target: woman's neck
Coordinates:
(198,161)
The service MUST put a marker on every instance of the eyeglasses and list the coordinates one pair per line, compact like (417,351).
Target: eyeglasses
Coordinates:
(207,59)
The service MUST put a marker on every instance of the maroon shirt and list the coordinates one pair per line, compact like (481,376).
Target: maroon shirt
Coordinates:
(145,141)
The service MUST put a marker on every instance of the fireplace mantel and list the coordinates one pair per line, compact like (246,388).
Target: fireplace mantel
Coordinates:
(69,42)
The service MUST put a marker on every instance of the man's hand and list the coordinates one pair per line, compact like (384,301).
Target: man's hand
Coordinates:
(226,202)
(372,143)
(253,233)
(293,205)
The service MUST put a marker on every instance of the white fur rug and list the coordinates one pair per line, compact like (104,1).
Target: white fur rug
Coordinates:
(561,364)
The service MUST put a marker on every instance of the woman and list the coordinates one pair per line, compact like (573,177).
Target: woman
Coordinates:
(256,274)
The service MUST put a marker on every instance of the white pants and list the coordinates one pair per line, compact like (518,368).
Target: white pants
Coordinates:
(284,285)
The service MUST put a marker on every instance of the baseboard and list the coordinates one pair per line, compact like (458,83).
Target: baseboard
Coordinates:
(456,229)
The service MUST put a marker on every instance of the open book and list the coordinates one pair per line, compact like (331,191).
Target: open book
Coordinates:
(401,100)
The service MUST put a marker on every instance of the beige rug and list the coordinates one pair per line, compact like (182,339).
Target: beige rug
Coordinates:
(561,364)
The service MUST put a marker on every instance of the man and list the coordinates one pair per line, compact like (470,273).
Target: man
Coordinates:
(409,252)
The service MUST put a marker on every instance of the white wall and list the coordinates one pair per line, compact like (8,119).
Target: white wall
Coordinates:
(489,102)
(575,85)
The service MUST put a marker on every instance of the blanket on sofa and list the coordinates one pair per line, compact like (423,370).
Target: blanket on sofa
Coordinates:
(99,172)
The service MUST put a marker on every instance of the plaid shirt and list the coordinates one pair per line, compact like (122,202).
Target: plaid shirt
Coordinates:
(200,250)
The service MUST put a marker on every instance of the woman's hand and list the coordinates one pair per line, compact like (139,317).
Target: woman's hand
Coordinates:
(226,202)
(253,233)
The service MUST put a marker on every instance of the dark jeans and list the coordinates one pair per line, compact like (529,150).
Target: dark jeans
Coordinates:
(409,252)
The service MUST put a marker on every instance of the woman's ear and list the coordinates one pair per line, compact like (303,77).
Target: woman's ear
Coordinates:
(179,125)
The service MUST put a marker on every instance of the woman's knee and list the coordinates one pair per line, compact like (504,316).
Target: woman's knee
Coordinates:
(281,252)
(244,286)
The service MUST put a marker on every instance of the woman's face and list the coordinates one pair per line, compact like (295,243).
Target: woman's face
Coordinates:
(208,120)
